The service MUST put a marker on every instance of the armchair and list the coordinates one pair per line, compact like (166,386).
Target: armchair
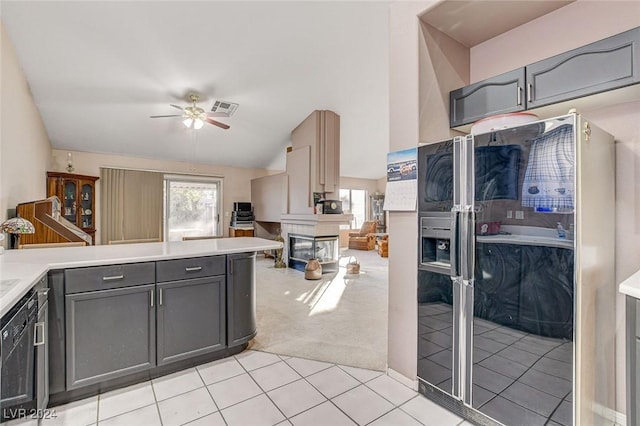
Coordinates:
(365,238)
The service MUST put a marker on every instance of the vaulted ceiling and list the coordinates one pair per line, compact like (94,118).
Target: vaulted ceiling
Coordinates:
(98,70)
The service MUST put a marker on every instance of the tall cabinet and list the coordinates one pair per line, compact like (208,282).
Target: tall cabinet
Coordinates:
(77,194)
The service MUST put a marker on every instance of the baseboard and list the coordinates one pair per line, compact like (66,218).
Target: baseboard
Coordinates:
(413,384)
(606,413)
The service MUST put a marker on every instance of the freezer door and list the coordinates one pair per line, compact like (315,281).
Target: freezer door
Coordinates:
(437,256)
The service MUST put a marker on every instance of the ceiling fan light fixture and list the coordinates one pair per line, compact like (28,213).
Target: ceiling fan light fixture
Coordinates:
(188,122)
(198,123)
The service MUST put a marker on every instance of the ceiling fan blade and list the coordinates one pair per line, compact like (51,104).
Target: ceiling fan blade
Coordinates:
(216,123)
(161,116)
(217,114)
(176,106)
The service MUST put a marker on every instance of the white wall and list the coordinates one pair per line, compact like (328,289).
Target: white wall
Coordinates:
(370,185)
(236,181)
(404,118)
(25,151)
(425,65)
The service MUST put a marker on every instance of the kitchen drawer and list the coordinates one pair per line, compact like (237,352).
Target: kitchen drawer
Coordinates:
(105,277)
(196,267)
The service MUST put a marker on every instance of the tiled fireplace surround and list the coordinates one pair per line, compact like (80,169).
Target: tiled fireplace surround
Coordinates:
(313,225)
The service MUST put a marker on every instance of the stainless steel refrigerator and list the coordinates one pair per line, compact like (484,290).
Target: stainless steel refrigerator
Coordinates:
(516,286)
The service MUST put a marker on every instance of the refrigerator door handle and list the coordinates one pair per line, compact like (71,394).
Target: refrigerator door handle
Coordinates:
(468,246)
(453,243)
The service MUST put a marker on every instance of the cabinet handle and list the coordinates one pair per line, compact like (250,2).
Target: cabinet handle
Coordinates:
(44,291)
(113,278)
(193,269)
(151,298)
(160,297)
(530,92)
(231,267)
(35,334)
(519,95)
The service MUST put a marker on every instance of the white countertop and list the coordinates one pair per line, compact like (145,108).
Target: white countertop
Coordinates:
(631,286)
(21,269)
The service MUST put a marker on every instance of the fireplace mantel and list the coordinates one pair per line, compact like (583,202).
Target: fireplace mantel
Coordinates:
(316,219)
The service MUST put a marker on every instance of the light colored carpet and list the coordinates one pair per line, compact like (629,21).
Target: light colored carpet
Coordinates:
(340,318)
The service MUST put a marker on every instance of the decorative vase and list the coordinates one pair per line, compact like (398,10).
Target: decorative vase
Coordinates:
(313,270)
(278,260)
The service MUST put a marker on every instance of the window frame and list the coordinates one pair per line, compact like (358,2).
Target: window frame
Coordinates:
(168,178)
(367,213)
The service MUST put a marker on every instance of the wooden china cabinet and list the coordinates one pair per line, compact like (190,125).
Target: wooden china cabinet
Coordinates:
(77,194)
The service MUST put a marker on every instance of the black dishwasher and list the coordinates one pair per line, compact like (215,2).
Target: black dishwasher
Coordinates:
(18,355)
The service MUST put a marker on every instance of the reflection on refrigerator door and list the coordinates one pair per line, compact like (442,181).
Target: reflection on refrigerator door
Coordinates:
(435,329)
(519,366)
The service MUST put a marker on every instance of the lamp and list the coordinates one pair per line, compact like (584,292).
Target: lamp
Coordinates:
(69,163)
(197,123)
(17,226)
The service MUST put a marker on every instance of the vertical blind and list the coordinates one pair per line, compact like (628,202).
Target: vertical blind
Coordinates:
(131,205)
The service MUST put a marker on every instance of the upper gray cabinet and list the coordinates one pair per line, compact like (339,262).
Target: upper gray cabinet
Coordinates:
(604,65)
(608,64)
(496,95)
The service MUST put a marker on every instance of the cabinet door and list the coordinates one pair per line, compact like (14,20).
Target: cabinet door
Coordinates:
(241,295)
(86,204)
(191,318)
(497,95)
(604,65)
(42,358)
(110,333)
(69,200)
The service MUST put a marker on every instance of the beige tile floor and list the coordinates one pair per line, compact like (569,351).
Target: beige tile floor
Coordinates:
(257,388)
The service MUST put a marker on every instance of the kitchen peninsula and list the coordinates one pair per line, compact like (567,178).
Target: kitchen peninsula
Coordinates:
(122,314)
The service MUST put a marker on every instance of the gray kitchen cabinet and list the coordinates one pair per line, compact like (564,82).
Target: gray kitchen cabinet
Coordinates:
(241,295)
(497,95)
(607,64)
(109,334)
(191,317)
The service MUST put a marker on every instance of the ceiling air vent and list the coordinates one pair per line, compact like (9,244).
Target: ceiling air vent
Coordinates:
(224,107)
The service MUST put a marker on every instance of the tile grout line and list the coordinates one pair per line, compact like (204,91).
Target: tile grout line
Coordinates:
(212,398)
(128,412)
(330,400)
(409,414)
(260,387)
(360,383)
(155,398)
(98,409)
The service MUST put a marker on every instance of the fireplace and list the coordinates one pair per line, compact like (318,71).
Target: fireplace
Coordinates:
(304,247)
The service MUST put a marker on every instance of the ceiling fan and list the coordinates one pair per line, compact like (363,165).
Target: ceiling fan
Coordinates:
(194,116)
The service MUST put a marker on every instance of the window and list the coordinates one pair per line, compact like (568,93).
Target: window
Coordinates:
(355,202)
(192,207)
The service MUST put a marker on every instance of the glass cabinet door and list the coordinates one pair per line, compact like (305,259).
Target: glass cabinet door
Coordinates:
(86,205)
(69,202)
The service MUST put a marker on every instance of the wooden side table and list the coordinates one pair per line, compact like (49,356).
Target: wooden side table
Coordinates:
(240,232)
